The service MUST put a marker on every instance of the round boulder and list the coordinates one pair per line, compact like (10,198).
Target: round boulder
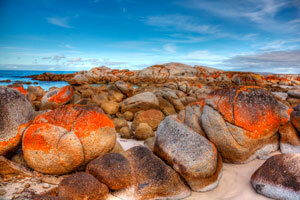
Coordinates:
(143,131)
(110,107)
(61,140)
(152,117)
(16,110)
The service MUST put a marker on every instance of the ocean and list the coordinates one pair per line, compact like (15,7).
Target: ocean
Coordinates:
(17,75)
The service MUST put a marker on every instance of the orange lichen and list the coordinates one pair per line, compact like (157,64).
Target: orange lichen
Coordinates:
(90,121)
(64,94)
(33,140)
(21,89)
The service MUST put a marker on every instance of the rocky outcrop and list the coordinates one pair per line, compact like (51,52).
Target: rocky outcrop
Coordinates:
(57,97)
(279,177)
(61,140)
(242,122)
(190,154)
(16,110)
(82,186)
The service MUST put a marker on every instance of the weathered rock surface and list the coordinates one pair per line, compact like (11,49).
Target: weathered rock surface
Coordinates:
(150,177)
(9,168)
(152,117)
(57,97)
(142,101)
(61,140)
(143,131)
(82,186)
(15,110)
(279,177)
(125,88)
(189,153)
(243,122)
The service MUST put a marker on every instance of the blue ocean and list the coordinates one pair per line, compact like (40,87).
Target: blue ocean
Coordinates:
(17,75)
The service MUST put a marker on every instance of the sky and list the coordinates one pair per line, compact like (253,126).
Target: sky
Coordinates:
(72,35)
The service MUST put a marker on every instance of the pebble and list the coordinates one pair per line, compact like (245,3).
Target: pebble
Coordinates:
(27,185)
(45,185)
(2,192)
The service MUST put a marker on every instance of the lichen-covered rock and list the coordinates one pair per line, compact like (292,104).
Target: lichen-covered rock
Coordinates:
(61,140)
(150,177)
(15,110)
(21,89)
(191,116)
(141,101)
(279,177)
(78,79)
(82,186)
(57,97)
(242,122)
(152,117)
(189,153)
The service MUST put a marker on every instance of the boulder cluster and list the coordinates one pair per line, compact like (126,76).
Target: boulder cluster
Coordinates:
(189,129)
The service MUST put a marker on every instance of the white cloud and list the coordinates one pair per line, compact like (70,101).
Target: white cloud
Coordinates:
(170,48)
(56,58)
(60,21)
(182,23)
(77,59)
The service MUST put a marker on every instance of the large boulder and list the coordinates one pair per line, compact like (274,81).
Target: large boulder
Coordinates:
(15,110)
(82,186)
(150,177)
(125,88)
(61,140)
(189,153)
(57,97)
(141,101)
(242,122)
(279,177)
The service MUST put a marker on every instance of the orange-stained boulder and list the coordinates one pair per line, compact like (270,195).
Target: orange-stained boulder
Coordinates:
(57,97)
(61,140)
(15,110)
(21,89)
(242,122)
(152,117)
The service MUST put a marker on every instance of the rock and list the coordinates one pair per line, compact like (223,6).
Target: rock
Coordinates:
(152,117)
(120,123)
(143,131)
(128,115)
(166,107)
(8,167)
(150,177)
(278,177)
(142,101)
(112,169)
(115,94)
(21,89)
(294,93)
(189,153)
(16,110)
(82,186)
(118,148)
(247,118)
(45,197)
(150,143)
(289,139)
(78,79)
(125,88)
(61,140)
(191,116)
(110,107)
(125,132)
(98,99)
(295,119)
(57,97)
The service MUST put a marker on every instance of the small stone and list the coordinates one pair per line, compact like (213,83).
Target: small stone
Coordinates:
(27,185)
(143,131)
(128,115)
(2,192)
(45,185)
(125,132)
(51,180)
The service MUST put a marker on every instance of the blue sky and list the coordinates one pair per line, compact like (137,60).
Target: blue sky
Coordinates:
(248,35)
